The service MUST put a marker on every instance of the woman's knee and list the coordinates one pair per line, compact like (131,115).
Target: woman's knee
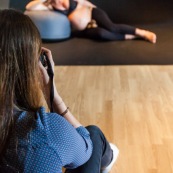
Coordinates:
(101,32)
(93,129)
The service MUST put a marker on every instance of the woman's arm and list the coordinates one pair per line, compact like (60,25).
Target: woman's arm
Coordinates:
(37,5)
(72,146)
(60,107)
(58,104)
(69,139)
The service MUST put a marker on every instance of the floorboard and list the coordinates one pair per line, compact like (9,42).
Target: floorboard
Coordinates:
(133,105)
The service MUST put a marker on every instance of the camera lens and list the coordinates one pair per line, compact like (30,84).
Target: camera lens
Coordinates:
(43,60)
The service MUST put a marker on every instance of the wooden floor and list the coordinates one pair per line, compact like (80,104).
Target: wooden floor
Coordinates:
(133,105)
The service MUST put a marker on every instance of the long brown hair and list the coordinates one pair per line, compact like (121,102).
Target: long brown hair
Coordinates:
(20,46)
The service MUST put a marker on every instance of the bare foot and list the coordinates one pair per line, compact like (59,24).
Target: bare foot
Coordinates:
(147,35)
(150,36)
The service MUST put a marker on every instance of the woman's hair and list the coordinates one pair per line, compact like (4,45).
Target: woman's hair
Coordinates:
(20,47)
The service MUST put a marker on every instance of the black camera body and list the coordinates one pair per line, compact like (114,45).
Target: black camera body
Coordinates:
(47,64)
(44,59)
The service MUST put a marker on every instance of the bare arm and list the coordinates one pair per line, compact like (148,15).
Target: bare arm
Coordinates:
(58,104)
(59,107)
(37,5)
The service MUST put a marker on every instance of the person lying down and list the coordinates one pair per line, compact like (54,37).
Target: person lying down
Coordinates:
(89,21)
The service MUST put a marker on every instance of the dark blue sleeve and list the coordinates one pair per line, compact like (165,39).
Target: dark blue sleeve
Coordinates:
(73,146)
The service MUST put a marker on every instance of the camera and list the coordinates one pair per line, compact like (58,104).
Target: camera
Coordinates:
(47,64)
(44,59)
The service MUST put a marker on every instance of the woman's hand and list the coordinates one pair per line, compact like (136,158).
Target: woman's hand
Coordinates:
(60,4)
(46,82)
(58,105)
(44,69)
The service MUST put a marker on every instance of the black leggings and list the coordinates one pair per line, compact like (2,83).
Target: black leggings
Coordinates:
(106,30)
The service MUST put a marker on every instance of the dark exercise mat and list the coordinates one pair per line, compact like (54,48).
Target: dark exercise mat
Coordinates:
(78,51)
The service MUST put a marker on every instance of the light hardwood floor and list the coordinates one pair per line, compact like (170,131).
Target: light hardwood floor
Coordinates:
(133,105)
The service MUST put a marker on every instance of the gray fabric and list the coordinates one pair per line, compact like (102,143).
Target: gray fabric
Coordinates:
(52,25)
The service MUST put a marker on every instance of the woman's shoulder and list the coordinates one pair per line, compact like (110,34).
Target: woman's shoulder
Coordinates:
(38,125)
(31,135)
(39,119)
(46,126)
(49,119)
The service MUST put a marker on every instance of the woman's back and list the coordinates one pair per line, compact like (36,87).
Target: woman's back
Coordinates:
(45,142)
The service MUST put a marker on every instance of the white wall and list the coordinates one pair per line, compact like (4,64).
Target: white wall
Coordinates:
(4,4)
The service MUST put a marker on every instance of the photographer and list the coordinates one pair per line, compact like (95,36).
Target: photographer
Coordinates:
(32,139)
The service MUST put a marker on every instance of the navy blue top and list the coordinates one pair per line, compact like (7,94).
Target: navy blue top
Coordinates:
(46,143)
(73,5)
